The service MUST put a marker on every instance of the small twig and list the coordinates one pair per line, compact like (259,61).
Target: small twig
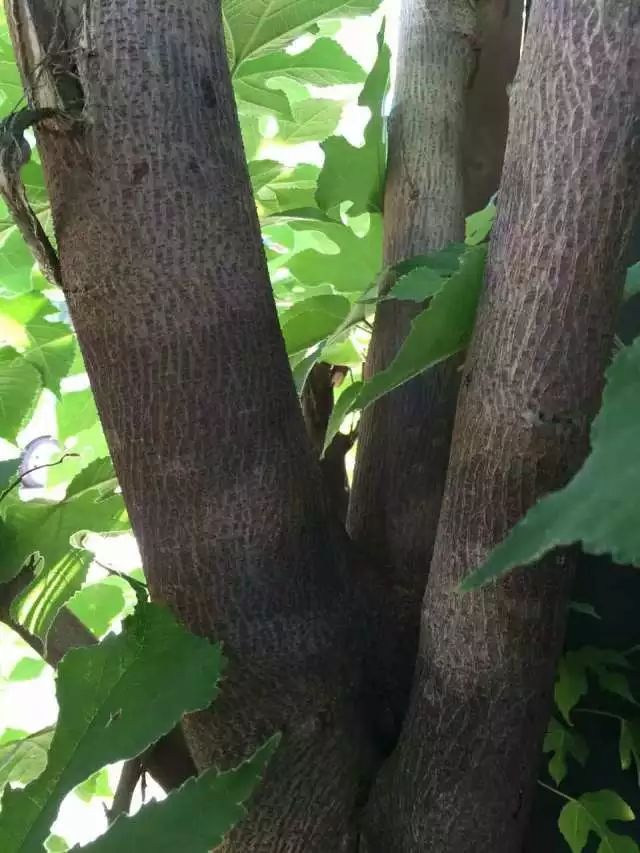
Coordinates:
(129,777)
(26,473)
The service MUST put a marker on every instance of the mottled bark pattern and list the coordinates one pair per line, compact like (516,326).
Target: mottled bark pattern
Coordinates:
(404,438)
(447,133)
(462,777)
(166,280)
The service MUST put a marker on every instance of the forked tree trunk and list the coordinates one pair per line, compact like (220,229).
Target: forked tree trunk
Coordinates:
(167,284)
(447,133)
(463,775)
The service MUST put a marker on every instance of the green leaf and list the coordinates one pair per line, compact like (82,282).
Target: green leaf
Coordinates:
(312,320)
(479,225)
(325,63)
(193,819)
(313,120)
(27,669)
(97,605)
(76,411)
(278,188)
(20,387)
(24,759)
(584,608)
(48,527)
(97,785)
(571,683)
(115,699)
(604,664)
(357,174)
(629,745)
(632,283)
(16,263)
(56,844)
(28,323)
(256,99)
(262,26)
(8,472)
(438,332)
(599,506)
(424,276)
(591,813)
(563,742)
(11,90)
(351,269)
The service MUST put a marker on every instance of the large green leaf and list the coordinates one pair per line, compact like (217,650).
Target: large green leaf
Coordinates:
(325,63)
(279,188)
(351,268)
(592,813)
(563,742)
(29,323)
(254,98)
(20,387)
(24,757)
(357,174)
(54,529)
(115,699)
(599,506)
(193,819)
(312,320)
(313,120)
(256,27)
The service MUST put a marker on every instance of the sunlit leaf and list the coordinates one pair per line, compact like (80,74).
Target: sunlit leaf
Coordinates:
(115,699)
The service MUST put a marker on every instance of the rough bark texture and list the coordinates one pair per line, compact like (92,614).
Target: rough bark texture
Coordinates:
(462,777)
(452,73)
(166,281)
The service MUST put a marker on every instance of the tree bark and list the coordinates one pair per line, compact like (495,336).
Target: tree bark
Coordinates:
(447,133)
(164,273)
(462,777)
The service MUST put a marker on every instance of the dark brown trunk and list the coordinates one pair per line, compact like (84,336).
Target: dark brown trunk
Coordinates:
(164,273)
(447,133)
(462,777)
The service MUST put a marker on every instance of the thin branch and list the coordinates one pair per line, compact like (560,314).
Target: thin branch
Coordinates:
(132,770)
(26,473)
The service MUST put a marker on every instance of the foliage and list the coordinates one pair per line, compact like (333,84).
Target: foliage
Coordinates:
(105,716)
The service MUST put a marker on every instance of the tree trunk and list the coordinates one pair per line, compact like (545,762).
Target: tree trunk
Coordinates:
(452,74)
(167,284)
(463,775)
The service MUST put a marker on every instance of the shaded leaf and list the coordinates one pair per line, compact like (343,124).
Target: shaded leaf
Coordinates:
(24,758)
(592,813)
(312,320)
(562,743)
(629,745)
